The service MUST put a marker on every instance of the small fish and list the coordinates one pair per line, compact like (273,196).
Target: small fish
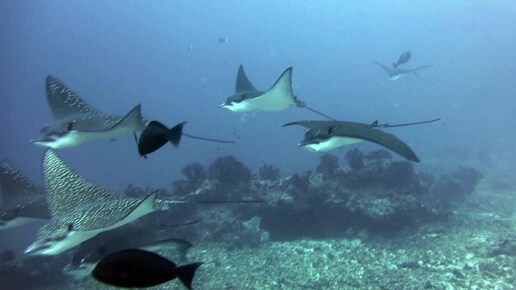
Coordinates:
(134,268)
(156,135)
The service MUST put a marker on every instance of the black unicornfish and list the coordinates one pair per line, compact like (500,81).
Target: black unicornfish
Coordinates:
(156,135)
(404,58)
(327,135)
(77,122)
(134,268)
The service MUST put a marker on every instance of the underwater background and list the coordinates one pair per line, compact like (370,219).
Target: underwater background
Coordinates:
(361,218)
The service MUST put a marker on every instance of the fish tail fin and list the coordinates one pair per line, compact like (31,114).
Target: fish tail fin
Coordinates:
(175,133)
(186,273)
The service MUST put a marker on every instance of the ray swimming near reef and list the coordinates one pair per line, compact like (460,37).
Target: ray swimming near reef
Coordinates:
(22,200)
(80,209)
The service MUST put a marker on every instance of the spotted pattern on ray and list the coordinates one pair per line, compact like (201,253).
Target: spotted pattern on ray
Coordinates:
(67,105)
(64,102)
(20,196)
(15,183)
(87,217)
(65,189)
(95,216)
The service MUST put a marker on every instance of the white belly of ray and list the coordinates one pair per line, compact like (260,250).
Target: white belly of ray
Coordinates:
(83,271)
(76,138)
(241,107)
(273,100)
(17,222)
(331,143)
(395,77)
(74,238)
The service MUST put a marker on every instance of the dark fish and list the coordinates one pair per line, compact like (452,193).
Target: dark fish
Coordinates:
(133,268)
(404,57)
(156,135)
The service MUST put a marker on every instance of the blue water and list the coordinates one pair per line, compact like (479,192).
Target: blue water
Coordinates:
(167,55)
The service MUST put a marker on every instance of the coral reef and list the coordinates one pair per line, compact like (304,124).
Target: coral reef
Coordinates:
(375,193)
(269,172)
(228,171)
(33,272)
(452,188)
(355,159)
(328,166)
(252,235)
(193,177)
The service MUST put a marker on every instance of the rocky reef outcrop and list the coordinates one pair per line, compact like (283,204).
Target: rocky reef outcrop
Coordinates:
(371,192)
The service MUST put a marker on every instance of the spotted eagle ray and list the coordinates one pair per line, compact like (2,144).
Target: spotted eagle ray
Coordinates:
(80,209)
(22,200)
(395,73)
(327,135)
(77,122)
(278,97)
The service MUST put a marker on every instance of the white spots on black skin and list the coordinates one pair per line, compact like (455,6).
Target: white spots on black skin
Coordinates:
(71,99)
(17,176)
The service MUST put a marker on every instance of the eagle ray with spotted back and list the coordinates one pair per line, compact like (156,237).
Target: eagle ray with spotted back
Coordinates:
(80,209)
(77,122)
(22,200)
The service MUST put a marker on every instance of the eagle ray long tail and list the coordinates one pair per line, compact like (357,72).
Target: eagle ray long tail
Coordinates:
(212,201)
(302,104)
(208,139)
(387,125)
(319,113)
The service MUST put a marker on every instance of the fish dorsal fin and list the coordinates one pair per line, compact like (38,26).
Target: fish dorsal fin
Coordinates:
(242,83)
(64,103)
(14,183)
(65,189)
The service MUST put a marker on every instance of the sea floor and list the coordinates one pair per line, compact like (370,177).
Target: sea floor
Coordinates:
(476,249)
